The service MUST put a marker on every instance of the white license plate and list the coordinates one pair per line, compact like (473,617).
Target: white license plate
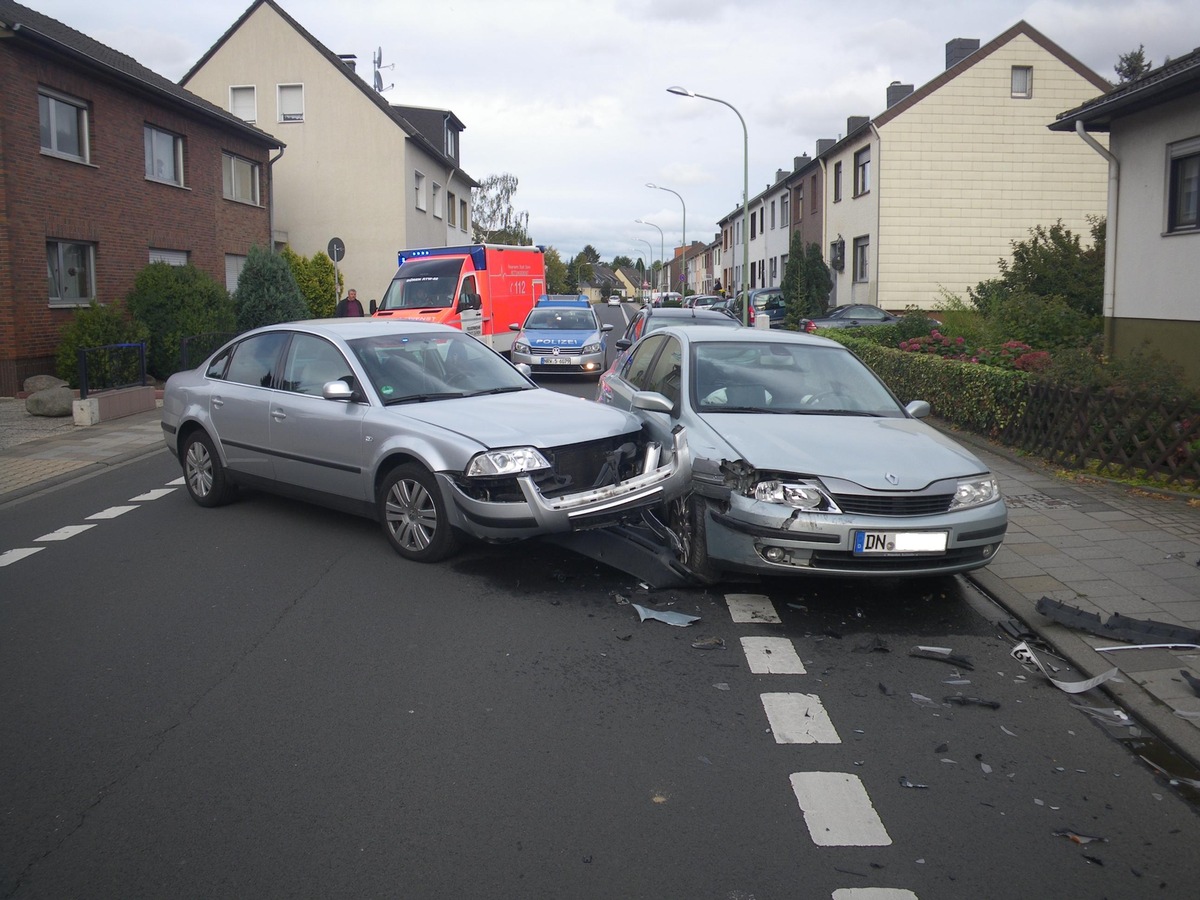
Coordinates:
(556,360)
(891,543)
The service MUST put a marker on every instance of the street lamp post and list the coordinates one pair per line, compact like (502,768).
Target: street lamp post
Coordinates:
(684,92)
(683,238)
(645,267)
(662,242)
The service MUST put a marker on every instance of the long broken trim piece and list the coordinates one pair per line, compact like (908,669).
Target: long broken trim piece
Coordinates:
(1118,627)
(1023,653)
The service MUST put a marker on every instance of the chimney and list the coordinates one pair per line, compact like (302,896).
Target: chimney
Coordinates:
(781,174)
(959,49)
(800,162)
(897,92)
(823,145)
(350,59)
(853,123)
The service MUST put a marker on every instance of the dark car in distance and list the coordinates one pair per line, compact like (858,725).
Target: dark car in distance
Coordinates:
(851,315)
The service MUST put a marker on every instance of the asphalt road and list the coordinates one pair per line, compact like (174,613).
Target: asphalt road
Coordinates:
(263,700)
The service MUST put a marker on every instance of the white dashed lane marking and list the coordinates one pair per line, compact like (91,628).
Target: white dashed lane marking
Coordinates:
(873,894)
(111,513)
(772,656)
(151,495)
(67,531)
(749,608)
(8,557)
(838,811)
(799,719)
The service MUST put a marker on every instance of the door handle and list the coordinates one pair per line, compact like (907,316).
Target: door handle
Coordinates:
(278,415)
(218,402)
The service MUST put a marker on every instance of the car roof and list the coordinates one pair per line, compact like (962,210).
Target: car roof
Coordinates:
(348,329)
(698,334)
(563,300)
(682,312)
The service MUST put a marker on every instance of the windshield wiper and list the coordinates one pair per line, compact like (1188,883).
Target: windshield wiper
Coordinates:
(833,412)
(497,390)
(423,398)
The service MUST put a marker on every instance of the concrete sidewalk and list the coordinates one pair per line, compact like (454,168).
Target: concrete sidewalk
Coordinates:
(1100,547)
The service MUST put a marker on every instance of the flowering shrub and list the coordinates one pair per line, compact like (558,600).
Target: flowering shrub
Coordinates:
(937,344)
(1011,355)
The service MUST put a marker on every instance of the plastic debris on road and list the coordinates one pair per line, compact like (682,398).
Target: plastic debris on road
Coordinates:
(904,782)
(1192,681)
(1024,654)
(709,643)
(662,615)
(1077,838)
(945,654)
(960,700)
(1117,626)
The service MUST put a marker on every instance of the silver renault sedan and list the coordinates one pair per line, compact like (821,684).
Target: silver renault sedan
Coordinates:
(803,462)
(415,424)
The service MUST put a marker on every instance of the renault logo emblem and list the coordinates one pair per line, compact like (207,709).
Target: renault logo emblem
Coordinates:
(892,479)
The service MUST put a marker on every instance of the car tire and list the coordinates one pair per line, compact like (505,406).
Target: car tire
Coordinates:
(203,472)
(413,515)
(688,518)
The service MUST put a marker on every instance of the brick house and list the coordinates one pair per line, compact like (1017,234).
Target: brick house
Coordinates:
(105,167)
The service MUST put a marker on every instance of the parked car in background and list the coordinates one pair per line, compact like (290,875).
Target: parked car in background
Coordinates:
(803,462)
(414,424)
(650,319)
(851,315)
(700,301)
(614,299)
(561,334)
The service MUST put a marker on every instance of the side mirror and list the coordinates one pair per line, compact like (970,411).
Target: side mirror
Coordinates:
(513,326)
(374,306)
(470,301)
(336,390)
(624,343)
(606,328)
(918,409)
(652,401)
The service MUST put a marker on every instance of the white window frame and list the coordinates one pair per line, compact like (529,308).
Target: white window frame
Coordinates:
(58,105)
(234,263)
(862,259)
(1183,165)
(462,215)
(837,182)
(419,190)
(451,209)
(1021,82)
(785,210)
(451,141)
(153,159)
(862,171)
(56,263)
(436,200)
(234,105)
(230,167)
(291,114)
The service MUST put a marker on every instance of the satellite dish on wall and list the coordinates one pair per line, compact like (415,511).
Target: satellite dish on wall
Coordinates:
(378,82)
(378,57)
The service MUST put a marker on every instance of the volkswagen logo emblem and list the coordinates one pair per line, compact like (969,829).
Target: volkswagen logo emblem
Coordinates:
(557,351)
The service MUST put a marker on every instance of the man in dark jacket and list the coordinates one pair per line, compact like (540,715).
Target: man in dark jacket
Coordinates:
(349,305)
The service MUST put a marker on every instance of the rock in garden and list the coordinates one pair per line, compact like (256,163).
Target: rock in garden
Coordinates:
(54,403)
(35,383)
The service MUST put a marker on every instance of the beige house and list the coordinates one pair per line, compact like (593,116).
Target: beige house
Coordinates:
(379,177)
(930,194)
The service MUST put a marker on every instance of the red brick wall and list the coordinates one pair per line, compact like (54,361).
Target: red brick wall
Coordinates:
(107,202)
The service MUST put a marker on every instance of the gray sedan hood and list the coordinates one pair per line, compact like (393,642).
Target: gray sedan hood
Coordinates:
(861,449)
(539,417)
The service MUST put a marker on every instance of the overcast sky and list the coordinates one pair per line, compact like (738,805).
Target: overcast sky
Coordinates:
(570,95)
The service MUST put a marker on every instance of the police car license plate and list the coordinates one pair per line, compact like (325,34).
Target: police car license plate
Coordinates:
(895,543)
(556,360)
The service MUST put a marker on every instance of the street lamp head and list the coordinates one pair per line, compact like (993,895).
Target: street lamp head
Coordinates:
(681,91)
(649,185)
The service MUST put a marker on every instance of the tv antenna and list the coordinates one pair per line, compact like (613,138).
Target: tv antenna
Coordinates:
(377,59)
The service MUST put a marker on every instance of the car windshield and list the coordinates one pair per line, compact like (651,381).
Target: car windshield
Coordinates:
(423,284)
(561,320)
(409,368)
(787,378)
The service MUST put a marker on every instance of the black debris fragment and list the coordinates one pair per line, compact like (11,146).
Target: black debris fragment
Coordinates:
(1076,837)
(709,643)
(960,700)
(944,654)
(1117,627)
(904,782)
(1192,681)
(885,690)
(876,645)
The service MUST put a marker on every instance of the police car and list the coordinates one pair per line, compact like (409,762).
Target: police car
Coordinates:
(561,334)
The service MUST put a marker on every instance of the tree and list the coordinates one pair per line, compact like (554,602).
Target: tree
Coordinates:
(806,282)
(556,273)
(621,262)
(590,254)
(1132,65)
(267,292)
(584,271)
(174,303)
(494,221)
(315,277)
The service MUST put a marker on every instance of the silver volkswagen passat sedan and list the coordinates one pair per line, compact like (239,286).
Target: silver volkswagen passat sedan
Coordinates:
(803,462)
(418,425)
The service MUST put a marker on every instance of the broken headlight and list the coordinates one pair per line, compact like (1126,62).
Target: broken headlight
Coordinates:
(975,492)
(512,461)
(806,495)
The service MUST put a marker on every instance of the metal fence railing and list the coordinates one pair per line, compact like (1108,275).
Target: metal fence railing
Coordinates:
(110,367)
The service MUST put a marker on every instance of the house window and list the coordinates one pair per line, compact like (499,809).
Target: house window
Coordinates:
(862,171)
(862,258)
(774,269)
(451,142)
(239,179)
(451,209)
(753,226)
(812,196)
(785,210)
(243,103)
(772,215)
(164,155)
(70,273)
(419,190)
(799,202)
(1185,186)
(64,125)
(234,263)
(291,103)
(436,200)
(462,215)
(1022,82)
(837,182)
(170,257)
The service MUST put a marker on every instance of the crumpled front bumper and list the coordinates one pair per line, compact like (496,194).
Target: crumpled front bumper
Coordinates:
(666,473)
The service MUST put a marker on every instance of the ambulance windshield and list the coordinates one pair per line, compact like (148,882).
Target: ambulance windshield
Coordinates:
(423,284)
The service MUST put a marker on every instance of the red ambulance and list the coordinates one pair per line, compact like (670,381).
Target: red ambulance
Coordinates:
(481,288)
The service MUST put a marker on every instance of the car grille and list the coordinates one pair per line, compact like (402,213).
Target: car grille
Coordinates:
(554,351)
(841,561)
(894,504)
